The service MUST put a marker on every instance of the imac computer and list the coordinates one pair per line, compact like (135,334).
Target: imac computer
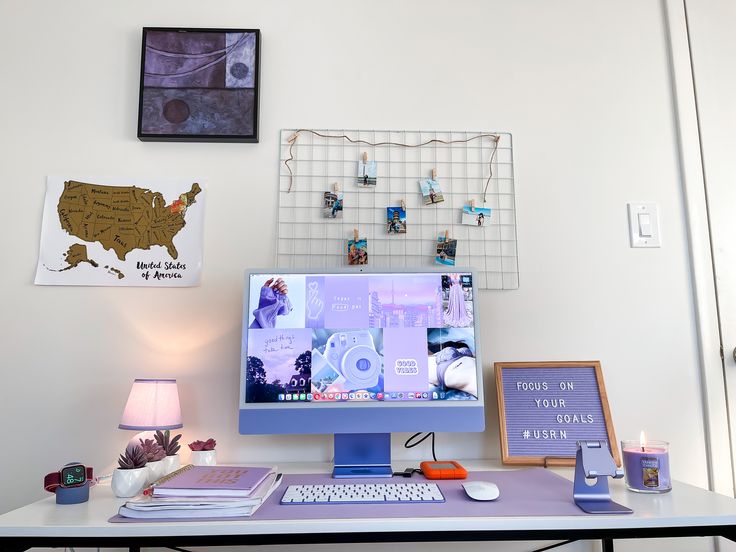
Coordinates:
(360,354)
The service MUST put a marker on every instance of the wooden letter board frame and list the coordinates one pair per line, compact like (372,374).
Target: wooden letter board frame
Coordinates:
(545,459)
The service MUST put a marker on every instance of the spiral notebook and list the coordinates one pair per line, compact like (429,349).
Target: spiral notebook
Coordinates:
(214,481)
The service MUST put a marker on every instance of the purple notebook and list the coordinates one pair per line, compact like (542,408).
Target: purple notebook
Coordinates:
(230,481)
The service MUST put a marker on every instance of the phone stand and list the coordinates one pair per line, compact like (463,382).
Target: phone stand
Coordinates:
(594,461)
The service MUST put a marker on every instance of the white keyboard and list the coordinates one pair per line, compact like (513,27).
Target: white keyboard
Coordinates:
(363,493)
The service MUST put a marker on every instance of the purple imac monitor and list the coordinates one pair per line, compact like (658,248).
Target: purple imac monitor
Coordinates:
(360,354)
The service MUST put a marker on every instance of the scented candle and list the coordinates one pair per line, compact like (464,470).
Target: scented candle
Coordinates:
(647,466)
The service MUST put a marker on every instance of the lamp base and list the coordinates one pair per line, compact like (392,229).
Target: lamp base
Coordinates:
(142,436)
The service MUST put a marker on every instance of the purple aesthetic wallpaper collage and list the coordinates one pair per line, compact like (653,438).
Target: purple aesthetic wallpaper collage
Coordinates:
(362,337)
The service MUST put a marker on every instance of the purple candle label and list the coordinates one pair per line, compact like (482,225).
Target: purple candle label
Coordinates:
(650,471)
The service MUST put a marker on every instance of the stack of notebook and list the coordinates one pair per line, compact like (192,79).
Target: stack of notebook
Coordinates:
(196,492)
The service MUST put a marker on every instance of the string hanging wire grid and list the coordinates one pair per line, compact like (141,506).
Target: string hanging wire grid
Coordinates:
(470,166)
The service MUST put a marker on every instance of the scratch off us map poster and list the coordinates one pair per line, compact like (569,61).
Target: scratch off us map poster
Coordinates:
(115,232)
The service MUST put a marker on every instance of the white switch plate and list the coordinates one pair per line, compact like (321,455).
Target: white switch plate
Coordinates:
(644,225)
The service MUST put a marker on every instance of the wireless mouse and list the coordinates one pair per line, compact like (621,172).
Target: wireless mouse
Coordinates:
(481,490)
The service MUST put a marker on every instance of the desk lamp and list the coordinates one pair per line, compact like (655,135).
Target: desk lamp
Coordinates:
(152,404)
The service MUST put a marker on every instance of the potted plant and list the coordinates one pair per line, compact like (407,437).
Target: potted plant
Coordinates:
(154,459)
(131,475)
(171,447)
(204,453)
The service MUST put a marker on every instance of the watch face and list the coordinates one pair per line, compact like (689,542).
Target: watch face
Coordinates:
(73,476)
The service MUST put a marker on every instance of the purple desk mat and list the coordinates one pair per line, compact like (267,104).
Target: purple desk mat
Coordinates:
(527,492)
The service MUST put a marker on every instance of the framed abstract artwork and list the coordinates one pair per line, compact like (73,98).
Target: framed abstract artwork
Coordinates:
(199,85)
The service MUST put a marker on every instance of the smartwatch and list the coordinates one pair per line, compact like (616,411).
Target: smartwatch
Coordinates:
(71,484)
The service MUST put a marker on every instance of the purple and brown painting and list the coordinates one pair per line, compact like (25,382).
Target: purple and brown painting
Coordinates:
(199,84)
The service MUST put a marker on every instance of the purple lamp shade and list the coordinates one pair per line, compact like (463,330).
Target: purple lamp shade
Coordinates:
(152,404)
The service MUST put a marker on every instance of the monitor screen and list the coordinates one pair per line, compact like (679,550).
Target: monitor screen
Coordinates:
(333,341)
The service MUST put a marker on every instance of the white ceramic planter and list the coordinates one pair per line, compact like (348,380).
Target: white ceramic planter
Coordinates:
(156,470)
(171,463)
(127,483)
(204,457)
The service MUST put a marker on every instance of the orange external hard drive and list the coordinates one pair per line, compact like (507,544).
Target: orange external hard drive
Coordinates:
(444,469)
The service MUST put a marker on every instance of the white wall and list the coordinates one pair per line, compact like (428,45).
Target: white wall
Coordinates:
(583,86)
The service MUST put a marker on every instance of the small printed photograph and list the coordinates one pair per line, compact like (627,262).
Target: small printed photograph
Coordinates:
(431,191)
(358,252)
(396,220)
(332,205)
(367,172)
(478,216)
(445,251)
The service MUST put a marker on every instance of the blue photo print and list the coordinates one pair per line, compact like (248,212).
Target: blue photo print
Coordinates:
(396,220)
(367,173)
(476,216)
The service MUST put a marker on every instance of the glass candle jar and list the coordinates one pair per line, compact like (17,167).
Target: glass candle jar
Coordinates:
(647,467)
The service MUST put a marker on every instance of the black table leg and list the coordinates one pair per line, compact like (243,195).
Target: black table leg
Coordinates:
(607,545)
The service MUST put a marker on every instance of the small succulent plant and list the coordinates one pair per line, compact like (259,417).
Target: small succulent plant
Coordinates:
(132,458)
(209,444)
(165,441)
(152,450)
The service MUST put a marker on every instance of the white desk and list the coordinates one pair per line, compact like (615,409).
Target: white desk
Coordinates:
(686,511)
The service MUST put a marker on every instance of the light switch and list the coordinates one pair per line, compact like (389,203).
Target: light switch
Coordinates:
(644,225)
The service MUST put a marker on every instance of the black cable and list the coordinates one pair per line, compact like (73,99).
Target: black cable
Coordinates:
(410,444)
(550,547)
(408,472)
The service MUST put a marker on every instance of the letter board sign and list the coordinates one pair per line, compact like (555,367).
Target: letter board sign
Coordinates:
(545,408)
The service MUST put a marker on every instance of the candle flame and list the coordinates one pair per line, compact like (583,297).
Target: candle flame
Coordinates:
(643,439)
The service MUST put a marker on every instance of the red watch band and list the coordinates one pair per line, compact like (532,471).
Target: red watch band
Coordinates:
(53,480)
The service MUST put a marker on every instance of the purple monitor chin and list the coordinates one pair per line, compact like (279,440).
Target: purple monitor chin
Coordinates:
(360,354)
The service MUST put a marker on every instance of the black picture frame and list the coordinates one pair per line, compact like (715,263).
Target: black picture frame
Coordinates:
(202,85)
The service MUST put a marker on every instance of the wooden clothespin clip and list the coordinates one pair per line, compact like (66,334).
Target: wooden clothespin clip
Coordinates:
(403,205)
(365,157)
(336,187)
(355,235)
(434,174)
(472,205)
(293,138)
(447,235)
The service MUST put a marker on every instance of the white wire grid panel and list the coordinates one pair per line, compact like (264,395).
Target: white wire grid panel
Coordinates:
(306,239)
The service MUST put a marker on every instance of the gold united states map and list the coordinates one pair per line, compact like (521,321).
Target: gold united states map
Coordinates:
(122,219)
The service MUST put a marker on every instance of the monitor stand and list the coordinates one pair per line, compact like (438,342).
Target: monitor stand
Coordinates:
(362,455)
